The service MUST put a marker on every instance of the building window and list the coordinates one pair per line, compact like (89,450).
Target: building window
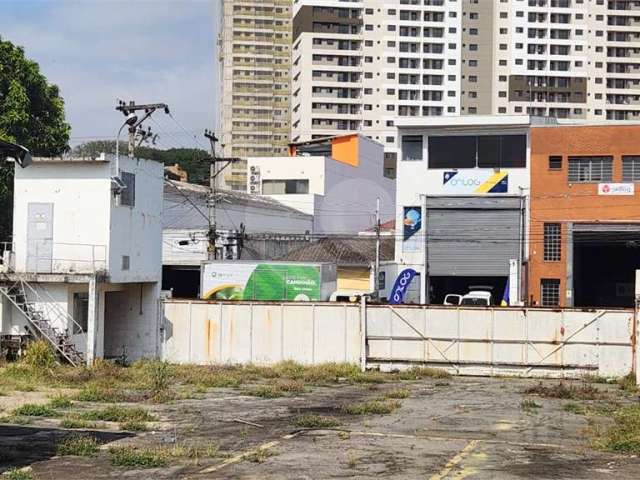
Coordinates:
(550,292)
(126,262)
(631,168)
(128,194)
(412,147)
(283,187)
(555,162)
(482,151)
(552,242)
(590,169)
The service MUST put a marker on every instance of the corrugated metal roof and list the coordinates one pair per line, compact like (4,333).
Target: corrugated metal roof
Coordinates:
(343,251)
(198,194)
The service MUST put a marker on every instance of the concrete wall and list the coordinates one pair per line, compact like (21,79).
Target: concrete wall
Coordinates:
(81,194)
(209,333)
(132,320)
(137,231)
(91,230)
(349,203)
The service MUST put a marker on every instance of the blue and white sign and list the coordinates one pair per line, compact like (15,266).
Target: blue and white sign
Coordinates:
(402,284)
(475,181)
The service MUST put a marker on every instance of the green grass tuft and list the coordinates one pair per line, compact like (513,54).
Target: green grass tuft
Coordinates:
(372,407)
(132,457)
(60,401)
(315,421)
(624,435)
(96,393)
(78,445)
(17,474)
(417,373)
(35,410)
(133,426)
(39,354)
(530,406)
(72,423)
(116,413)
(280,388)
(398,393)
(583,391)
(576,408)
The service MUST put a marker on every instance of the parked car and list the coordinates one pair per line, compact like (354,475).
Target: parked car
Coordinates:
(479,295)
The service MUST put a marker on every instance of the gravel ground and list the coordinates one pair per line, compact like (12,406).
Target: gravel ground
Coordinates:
(446,428)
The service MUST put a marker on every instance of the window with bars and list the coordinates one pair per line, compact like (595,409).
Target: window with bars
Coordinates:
(550,292)
(631,168)
(590,169)
(552,242)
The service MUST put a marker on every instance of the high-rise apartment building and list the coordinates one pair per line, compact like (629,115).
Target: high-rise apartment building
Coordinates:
(254,53)
(359,64)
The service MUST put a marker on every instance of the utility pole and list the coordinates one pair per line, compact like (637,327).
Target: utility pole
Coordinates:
(212,233)
(376,269)
(212,199)
(134,122)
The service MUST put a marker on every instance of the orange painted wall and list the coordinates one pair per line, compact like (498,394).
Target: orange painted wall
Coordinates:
(346,150)
(553,199)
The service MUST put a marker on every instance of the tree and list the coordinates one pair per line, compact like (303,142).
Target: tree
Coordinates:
(195,161)
(31,114)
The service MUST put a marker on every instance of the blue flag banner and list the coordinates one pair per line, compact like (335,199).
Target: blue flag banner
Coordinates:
(505,296)
(400,286)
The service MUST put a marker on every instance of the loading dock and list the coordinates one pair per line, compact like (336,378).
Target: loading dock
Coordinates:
(472,240)
(602,264)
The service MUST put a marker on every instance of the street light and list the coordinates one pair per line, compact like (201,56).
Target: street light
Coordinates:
(20,154)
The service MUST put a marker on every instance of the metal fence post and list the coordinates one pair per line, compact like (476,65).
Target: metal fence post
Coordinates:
(363,333)
(636,330)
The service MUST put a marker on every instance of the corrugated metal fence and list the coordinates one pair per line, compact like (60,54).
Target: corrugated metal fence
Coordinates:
(479,341)
(260,332)
(473,341)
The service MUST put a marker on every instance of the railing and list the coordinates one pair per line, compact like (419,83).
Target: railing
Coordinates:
(49,306)
(43,256)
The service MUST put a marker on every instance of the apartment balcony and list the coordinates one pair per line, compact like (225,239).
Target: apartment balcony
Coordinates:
(623,7)
(330,114)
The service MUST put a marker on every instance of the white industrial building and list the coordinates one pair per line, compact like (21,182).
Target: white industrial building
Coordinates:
(271,228)
(336,179)
(463,187)
(83,269)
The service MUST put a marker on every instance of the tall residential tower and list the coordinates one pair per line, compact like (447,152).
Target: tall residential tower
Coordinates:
(359,64)
(254,53)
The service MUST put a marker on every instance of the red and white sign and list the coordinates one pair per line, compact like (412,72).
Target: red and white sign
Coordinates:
(616,189)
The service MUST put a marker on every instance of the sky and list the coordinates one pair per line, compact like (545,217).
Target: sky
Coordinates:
(99,51)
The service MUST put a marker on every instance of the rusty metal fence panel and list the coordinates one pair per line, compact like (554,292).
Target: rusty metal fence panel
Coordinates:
(466,341)
(260,332)
(507,341)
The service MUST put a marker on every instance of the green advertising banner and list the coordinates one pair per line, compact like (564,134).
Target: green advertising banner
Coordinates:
(261,281)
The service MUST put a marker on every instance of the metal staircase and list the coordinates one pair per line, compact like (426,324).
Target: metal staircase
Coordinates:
(43,312)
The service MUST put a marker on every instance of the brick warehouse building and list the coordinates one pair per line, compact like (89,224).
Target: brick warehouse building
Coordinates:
(584,215)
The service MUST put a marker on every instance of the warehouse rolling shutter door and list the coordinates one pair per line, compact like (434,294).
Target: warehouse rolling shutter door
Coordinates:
(472,236)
